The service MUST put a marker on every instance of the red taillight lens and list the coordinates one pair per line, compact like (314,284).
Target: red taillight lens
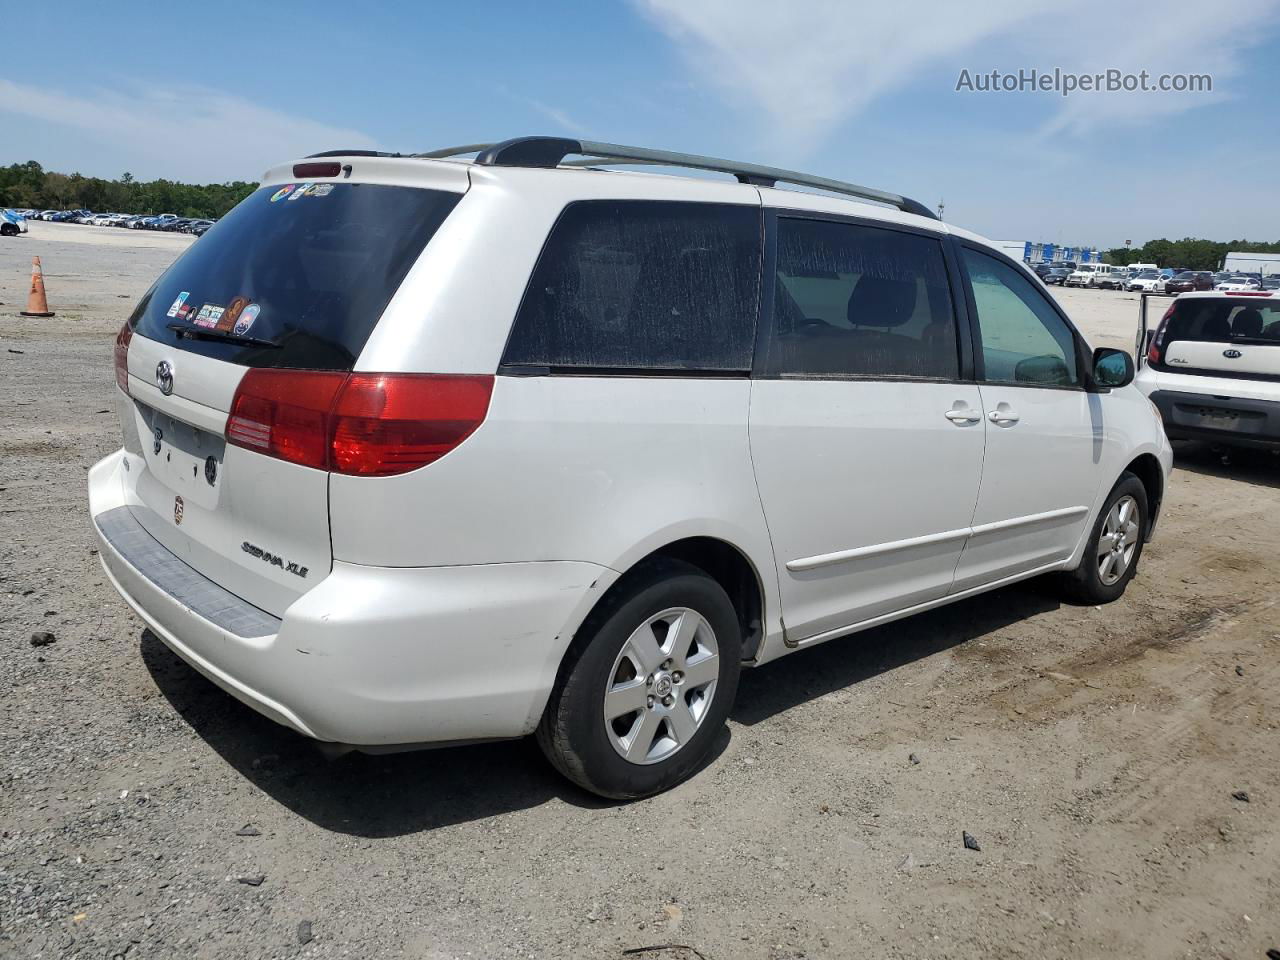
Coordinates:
(122,357)
(385,424)
(1157,342)
(364,424)
(285,414)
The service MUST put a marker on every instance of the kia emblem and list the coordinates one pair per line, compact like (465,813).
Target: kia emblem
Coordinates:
(1232,354)
(164,377)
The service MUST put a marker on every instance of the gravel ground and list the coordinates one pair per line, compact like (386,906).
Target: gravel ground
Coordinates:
(1092,754)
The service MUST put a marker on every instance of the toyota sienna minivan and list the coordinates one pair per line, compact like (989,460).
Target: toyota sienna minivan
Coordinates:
(442,448)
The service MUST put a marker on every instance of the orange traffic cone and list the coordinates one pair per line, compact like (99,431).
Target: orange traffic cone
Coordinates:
(37,305)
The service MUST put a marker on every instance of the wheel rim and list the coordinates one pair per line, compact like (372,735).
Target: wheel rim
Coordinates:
(1118,541)
(661,686)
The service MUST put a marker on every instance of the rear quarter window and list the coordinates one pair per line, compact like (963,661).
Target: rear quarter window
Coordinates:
(296,275)
(643,285)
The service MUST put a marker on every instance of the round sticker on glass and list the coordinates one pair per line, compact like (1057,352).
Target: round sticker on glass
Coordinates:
(245,320)
(283,192)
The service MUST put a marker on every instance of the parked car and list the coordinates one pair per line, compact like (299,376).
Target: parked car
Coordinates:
(1147,281)
(12,223)
(1271,283)
(200,227)
(1081,276)
(1107,277)
(512,463)
(1211,368)
(1237,284)
(1056,276)
(1189,280)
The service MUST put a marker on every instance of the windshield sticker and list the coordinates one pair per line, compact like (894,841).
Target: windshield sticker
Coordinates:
(323,189)
(283,192)
(184,311)
(177,303)
(302,188)
(208,316)
(246,318)
(232,313)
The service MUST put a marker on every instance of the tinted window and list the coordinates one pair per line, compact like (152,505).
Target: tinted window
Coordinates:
(860,301)
(643,285)
(310,270)
(1221,320)
(1023,338)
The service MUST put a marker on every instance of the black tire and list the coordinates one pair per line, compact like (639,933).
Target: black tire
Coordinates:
(8,229)
(1085,584)
(573,732)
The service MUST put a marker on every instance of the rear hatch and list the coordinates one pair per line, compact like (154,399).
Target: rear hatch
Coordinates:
(294,278)
(1221,337)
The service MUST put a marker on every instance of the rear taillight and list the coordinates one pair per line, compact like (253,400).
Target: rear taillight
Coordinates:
(363,424)
(122,357)
(1157,342)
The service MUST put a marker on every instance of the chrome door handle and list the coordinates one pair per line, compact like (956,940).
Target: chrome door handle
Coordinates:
(1002,416)
(962,416)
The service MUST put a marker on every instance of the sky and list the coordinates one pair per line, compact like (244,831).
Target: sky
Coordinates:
(857,91)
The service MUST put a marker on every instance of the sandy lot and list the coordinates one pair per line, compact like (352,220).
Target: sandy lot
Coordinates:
(1092,752)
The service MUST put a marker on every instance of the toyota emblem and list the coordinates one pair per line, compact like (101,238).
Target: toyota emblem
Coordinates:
(1232,354)
(164,377)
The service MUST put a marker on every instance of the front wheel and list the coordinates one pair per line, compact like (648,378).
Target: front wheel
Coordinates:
(1115,545)
(646,685)
(8,229)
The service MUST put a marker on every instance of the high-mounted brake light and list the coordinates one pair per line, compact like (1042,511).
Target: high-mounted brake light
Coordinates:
(307,171)
(361,424)
(1157,342)
(122,356)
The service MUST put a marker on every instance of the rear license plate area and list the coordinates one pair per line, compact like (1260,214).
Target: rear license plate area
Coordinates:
(184,458)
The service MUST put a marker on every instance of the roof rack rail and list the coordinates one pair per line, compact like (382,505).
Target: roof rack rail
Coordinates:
(551,152)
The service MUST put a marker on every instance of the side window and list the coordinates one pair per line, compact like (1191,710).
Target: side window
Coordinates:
(860,301)
(1023,338)
(643,285)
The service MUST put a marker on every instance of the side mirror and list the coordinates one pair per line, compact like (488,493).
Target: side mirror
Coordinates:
(1112,368)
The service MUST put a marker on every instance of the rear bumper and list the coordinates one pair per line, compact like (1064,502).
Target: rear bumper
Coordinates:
(1234,421)
(370,656)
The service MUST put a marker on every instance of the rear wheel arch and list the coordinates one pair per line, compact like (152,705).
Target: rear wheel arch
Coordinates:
(723,563)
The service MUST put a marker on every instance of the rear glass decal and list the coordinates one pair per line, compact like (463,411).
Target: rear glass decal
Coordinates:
(299,191)
(283,192)
(208,316)
(246,318)
(232,313)
(177,303)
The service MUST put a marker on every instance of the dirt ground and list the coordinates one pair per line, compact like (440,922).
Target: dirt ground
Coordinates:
(1092,752)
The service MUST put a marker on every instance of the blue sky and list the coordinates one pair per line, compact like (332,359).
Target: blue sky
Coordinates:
(858,91)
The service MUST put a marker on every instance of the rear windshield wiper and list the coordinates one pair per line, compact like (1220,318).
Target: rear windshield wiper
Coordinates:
(197,333)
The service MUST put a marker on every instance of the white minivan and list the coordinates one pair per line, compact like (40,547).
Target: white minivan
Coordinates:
(425,449)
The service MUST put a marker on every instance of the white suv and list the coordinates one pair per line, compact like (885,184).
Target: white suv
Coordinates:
(1212,367)
(423,449)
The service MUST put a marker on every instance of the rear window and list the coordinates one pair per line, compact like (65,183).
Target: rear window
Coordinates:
(294,276)
(643,285)
(1222,320)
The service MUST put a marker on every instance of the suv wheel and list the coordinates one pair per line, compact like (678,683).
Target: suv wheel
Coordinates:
(1115,545)
(8,229)
(646,685)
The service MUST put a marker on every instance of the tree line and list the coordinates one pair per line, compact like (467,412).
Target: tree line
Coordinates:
(1189,253)
(30,185)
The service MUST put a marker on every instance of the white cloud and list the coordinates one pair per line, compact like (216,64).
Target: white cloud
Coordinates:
(811,65)
(184,133)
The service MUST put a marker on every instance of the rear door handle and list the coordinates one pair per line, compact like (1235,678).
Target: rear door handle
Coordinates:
(962,416)
(1002,416)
